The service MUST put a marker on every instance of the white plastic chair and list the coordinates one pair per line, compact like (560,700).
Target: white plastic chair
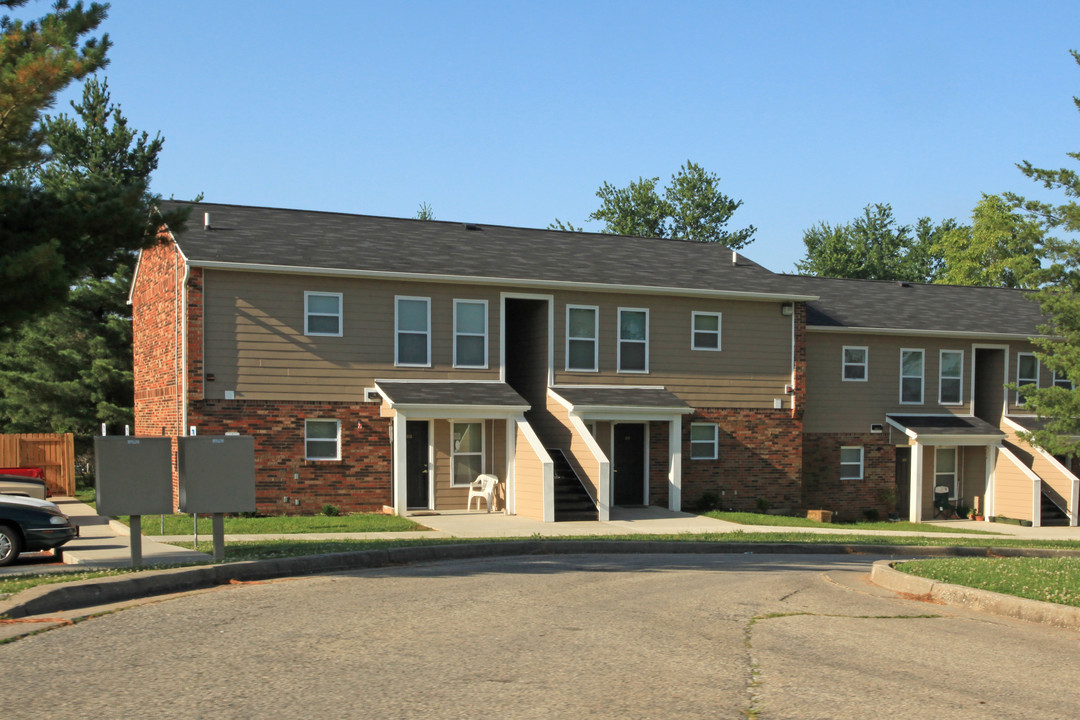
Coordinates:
(482,487)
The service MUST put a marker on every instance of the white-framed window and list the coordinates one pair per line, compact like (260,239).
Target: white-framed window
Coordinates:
(705,331)
(851,463)
(466,452)
(412,325)
(633,340)
(704,441)
(582,338)
(951,377)
(470,333)
(1027,373)
(855,362)
(1062,381)
(322,314)
(911,376)
(322,440)
(945,470)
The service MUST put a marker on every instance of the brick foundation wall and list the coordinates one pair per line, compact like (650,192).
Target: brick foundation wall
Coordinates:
(849,499)
(360,481)
(658,463)
(759,455)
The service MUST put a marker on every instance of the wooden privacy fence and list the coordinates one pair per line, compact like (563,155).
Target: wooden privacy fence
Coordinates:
(55,454)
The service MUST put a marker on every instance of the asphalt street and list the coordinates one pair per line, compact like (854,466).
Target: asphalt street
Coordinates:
(647,636)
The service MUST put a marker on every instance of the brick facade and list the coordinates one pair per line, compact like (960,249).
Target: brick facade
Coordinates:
(849,499)
(759,455)
(658,463)
(360,481)
(156,326)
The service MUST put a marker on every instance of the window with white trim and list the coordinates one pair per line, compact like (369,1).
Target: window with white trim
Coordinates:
(854,363)
(1027,373)
(466,452)
(951,377)
(945,470)
(704,441)
(911,377)
(322,440)
(1061,380)
(851,463)
(705,333)
(582,333)
(470,334)
(633,340)
(322,314)
(412,324)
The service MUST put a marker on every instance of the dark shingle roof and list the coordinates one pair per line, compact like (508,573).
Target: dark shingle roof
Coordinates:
(620,396)
(891,305)
(946,425)
(360,243)
(465,394)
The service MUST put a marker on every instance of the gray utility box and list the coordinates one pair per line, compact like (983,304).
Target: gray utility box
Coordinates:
(217,473)
(133,475)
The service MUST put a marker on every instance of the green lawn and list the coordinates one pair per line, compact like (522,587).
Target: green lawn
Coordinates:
(278,524)
(1054,580)
(746,518)
(11,584)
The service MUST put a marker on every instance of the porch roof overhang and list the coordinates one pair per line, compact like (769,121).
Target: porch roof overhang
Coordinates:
(1029,423)
(452,398)
(620,402)
(947,429)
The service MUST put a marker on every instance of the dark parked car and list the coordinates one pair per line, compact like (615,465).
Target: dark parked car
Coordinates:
(28,525)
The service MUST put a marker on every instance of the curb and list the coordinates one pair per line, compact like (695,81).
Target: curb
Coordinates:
(46,599)
(987,601)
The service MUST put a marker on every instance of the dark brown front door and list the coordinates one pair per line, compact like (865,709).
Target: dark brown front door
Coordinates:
(903,480)
(629,464)
(416,464)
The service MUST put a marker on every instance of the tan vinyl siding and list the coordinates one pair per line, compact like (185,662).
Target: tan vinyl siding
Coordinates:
(1056,482)
(1013,490)
(254,340)
(835,405)
(449,497)
(528,479)
(750,370)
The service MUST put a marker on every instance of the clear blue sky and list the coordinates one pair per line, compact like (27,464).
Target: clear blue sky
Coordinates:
(514,113)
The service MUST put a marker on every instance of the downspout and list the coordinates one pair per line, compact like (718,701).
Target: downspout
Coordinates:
(793,393)
(183,350)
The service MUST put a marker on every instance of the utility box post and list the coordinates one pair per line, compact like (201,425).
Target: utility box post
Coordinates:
(217,475)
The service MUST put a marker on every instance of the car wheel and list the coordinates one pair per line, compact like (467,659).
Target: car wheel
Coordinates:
(9,545)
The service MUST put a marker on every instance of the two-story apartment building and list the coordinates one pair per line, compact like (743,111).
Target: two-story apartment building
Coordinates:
(388,362)
(908,401)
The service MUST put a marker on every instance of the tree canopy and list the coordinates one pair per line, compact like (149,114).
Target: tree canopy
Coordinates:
(1059,299)
(874,246)
(1001,248)
(691,207)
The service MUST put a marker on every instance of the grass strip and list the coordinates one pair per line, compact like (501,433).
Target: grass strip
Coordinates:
(11,584)
(277,524)
(747,518)
(1055,580)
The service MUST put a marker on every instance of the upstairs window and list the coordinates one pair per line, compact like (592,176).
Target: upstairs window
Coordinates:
(1062,381)
(854,364)
(851,463)
(582,332)
(470,334)
(911,377)
(706,331)
(951,377)
(633,340)
(1027,373)
(412,320)
(322,313)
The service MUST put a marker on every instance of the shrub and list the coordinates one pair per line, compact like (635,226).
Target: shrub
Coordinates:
(708,501)
(871,514)
(763,504)
(331,510)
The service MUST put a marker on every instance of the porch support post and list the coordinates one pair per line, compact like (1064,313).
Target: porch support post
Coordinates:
(1074,516)
(915,498)
(675,464)
(511,467)
(398,472)
(988,494)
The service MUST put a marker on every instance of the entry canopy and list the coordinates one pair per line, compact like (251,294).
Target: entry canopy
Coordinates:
(620,399)
(477,397)
(947,429)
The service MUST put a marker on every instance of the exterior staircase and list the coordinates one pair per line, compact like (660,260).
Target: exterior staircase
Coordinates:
(572,502)
(1052,515)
